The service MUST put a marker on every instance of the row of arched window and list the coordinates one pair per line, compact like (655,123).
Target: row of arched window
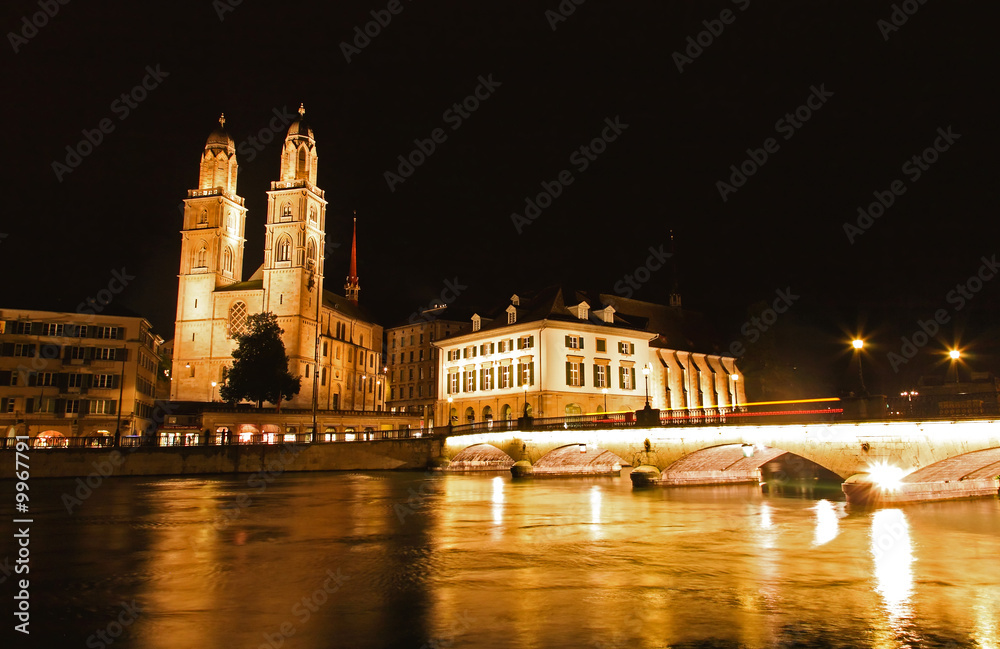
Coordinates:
(286,212)
(283,249)
(228,258)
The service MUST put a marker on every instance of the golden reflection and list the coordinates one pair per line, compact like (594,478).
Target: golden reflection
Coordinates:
(986,630)
(765,516)
(595,505)
(497,500)
(892,552)
(827,525)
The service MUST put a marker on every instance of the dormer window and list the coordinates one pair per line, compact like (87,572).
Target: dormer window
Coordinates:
(608,314)
(515,300)
(477,322)
(582,310)
(511,314)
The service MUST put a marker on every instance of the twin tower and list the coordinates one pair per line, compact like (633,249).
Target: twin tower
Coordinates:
(213,299)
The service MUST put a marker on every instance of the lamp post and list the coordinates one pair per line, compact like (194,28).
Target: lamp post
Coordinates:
(450,418)
(605,391)
(364,397)
(859,345)
(736,390)
(955,356)
(645,373)
(212,399)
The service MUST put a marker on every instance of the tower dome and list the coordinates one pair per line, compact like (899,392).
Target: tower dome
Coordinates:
(299,126)
(219,137)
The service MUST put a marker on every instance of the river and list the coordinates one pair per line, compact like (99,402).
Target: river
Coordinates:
(358,560)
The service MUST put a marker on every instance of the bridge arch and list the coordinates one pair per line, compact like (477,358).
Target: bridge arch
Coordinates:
(581,459)
(481,457)
(976,465)
(742,462)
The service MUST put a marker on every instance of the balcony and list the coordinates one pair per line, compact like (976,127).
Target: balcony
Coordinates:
(215,191)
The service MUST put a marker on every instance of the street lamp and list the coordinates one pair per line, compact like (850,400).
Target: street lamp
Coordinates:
(645,373)
(859,345)
(736,390)
(955,356)
(213,391)
(364,397)
(605,391)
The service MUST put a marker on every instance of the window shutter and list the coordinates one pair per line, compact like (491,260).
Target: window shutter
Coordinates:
(631,372)
(113,407)
(583,367)
(465,382)
(621,378)
(3,404)
(84,407)
(595,376)
(29,406)
(567,341)
(531,373)
(568,374)
(518,379)
(493,378)
(465,353)
(531,343)
(581,342)
(447,384)
(481,384)
(631,350)
(32,379)
(5,377)
(520,343)
(493,348)
(116,380)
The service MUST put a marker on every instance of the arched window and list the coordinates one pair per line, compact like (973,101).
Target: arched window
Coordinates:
(487,413)
(237,321)
(312,213)
(283,251)
(231,221)
(506,413)
(573,409)
(201,258)
(311,250)
(470,415)
(286,212)
(227,260)
(301,167)
(203,219)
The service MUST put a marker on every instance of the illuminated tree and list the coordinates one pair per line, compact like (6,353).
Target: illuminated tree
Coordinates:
(260,365)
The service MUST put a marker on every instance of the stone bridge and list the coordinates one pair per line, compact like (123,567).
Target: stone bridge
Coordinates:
(719,454)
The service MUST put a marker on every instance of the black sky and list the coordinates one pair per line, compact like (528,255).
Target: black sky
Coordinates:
(452,218)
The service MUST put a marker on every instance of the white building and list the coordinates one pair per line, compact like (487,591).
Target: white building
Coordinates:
(565,352)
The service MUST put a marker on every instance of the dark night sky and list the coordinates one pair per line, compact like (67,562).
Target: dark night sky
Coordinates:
(451,219)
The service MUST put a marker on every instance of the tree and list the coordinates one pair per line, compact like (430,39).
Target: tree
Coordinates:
(260,365)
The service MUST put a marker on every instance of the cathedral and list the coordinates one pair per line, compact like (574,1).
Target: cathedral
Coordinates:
(331,342)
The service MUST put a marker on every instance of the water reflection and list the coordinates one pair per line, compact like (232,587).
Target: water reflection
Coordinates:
(827,525)
(480,561)
(892,552)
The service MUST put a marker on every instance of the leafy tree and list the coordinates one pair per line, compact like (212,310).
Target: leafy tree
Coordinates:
(260,365)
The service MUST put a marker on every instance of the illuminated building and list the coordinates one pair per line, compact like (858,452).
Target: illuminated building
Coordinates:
(76,374)
(413,360)
(566,352)
(214,300)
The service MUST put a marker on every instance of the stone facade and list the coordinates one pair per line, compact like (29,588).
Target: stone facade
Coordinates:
(76,374)
(213,300)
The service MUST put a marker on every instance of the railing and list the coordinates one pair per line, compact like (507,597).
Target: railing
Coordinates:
(960,405)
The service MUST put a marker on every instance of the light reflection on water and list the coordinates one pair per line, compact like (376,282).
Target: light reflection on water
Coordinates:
(484,561)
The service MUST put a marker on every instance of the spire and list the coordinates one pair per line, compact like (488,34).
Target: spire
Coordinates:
(222,120)
(302,110)
(351,288)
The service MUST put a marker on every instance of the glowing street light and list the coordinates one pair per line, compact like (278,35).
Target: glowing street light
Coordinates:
(858,346)
(213,390)
(645,373)
(955,356)
(736,391)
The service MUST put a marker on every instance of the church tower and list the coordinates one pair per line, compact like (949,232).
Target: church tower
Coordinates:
(212,242)
(293,249)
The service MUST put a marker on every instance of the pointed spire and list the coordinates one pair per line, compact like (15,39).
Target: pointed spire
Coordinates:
(351,288)
(302,110)
(222,120)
